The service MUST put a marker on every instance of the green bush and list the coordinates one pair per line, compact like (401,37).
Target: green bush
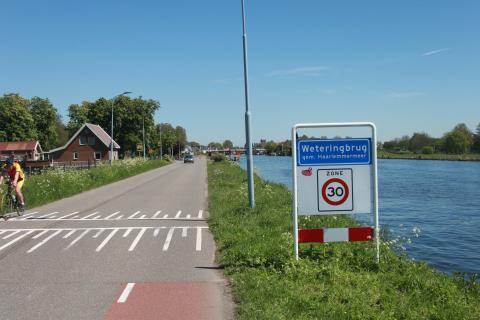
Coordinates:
(218,157)
(427,150)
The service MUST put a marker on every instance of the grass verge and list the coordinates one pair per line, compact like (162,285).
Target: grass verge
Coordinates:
(330,281)
(55,185)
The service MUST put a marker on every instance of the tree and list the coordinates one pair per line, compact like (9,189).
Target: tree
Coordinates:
(215,145)
(419,141)
(130,116)
(45,117)
(181,136)
(270,147)
(16,122)
(476,140)
(227,144)
(457,141)
(169,137)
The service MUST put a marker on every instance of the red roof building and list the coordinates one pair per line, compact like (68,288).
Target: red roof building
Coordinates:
(21,149)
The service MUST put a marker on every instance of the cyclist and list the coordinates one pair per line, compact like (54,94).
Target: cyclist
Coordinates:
(17,178)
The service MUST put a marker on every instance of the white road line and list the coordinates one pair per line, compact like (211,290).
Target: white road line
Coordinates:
(40,234)
(168,239)
(165,216)
(97,217)
(27,215)
(200,214)
(156,214)
(134,243)
(156,232)
(15,240)
(115,213)
(133,215)
(75,217)
(11,234)
(178,214)
(188,216)
(143,216)
(110,236)
(96,212)
(68,215)
(127,232)
(3,231)
(46,215)
(120,217)
(126,292)
(99,233)
(184,232)
(77,238)
(44,241)
(69,234)
(198,246)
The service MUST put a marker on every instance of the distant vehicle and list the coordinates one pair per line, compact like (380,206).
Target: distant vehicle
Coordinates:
(188,158)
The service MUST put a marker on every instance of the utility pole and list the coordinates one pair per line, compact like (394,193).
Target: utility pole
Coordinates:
(251,196)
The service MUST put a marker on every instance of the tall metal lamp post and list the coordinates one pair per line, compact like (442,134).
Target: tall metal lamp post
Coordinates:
(251,196)
(111,136)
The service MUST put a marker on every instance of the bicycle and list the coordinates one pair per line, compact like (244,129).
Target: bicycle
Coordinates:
(9,203)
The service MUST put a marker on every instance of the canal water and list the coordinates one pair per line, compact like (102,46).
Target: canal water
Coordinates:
(430,208)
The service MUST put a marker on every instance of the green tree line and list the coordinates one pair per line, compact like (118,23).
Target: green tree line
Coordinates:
(459,140)
(24,119)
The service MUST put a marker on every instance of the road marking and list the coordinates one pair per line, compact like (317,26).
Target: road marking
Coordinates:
(165,216)
(96,212)
(156,232)
(184,232)
(27,215)
(133,215)
(198,247)
(97,217)
(68,215)
(188,216)
(44,241)
(115,213)
(40,234)
(178,214)
(200,214)
(11,234)
(143,216)
(156,214)
(127,232)
(137,239)
(99,233)
(69,234)
(110,236)
(77,238)
(3,231)
(46,215)
(126,292)
(119,217)
(168,239)
(15,240)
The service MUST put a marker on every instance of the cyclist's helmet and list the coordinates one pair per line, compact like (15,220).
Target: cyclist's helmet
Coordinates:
(9,161)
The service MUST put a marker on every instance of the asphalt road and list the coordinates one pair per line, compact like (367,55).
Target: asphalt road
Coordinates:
(136,249)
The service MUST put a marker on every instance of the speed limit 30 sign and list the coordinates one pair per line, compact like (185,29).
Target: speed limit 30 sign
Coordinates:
(335,192)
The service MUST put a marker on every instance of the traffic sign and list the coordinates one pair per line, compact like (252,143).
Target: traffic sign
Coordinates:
(335,191)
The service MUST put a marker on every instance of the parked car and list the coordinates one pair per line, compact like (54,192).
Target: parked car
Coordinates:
(188,159)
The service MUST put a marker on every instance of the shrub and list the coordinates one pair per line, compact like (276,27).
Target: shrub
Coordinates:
(218,157)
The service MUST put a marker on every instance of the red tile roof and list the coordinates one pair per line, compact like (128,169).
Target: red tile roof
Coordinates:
(18,145)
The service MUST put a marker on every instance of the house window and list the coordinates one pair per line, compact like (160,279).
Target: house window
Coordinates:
(91,141)
(75,155)
(83,140)
(98,155)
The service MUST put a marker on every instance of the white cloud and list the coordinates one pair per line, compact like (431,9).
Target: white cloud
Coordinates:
(429,53)
(305,71)
(406,94)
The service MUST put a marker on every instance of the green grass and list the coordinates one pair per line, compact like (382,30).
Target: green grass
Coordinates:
(330,281)
(55,185)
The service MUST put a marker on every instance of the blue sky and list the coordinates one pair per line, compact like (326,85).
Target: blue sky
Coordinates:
(407,66)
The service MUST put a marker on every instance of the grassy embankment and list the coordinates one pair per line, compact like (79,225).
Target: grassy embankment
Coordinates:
(55,185)
(382,154)
(330,281)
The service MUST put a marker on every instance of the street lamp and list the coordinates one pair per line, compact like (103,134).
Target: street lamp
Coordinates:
(111,136)
(251,196)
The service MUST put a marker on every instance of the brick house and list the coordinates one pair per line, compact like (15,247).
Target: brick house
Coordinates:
(89,143)
(21,149)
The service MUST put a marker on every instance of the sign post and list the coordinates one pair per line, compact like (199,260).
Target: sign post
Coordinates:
(335,176)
